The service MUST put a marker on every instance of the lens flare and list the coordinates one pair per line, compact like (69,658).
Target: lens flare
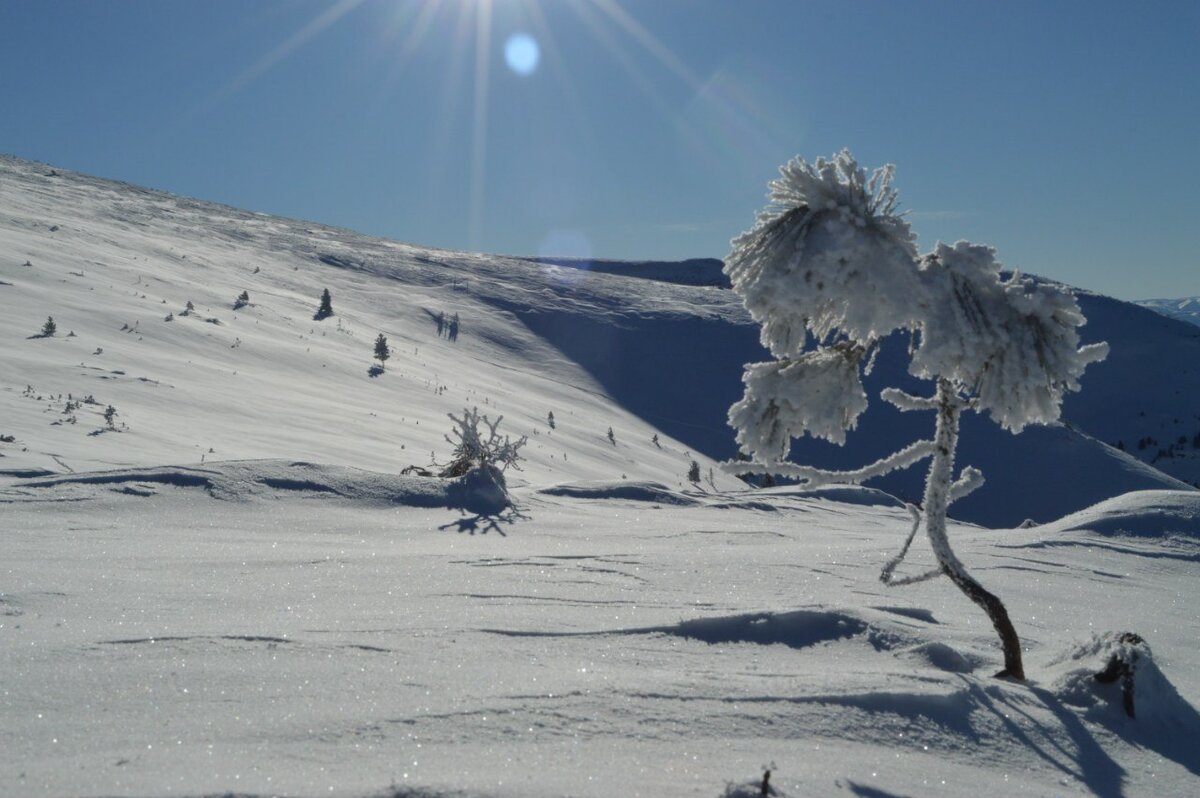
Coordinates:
(521,53)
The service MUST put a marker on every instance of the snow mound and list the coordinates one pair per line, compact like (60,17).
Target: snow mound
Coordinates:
(1145,513)
(653,492)
(1146,706)
(478,491)
(941,657)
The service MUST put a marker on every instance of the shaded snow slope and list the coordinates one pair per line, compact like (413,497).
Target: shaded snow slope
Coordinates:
(112,263)
(697,271)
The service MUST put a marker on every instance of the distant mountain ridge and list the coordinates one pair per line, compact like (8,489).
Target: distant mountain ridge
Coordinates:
(1186,309)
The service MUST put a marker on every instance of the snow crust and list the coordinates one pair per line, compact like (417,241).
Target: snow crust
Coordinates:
(290,639)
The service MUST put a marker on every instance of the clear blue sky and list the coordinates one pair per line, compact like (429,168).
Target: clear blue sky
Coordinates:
(1063,133)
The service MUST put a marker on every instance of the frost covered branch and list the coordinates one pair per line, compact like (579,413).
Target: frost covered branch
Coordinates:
(970,480)
(816,477)
(906,401)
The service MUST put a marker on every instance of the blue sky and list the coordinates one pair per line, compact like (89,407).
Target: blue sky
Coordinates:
(1062,133)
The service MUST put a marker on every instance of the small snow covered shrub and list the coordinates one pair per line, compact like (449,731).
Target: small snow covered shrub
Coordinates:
(829,270)
(477,444)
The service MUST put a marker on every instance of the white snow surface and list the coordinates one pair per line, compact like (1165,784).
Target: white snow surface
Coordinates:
(293,616)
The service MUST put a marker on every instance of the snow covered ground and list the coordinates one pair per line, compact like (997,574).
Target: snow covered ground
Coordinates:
(231,588)
(288,634)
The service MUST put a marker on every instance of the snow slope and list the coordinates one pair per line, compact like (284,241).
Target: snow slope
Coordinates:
(306,630)
(113,262)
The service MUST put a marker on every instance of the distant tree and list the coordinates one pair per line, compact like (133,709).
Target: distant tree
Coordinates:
(326,308)
(611,437)
(830,269)
(49,328)
(382,352)
(110,416)
(242,301)
(550,419)
(654,440)
(693,473)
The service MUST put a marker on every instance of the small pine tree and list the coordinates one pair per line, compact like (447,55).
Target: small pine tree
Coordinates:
(612,438)
(326,308)
(1004,346)
(382,352)
(110,415)
(693,474)
(654,440)
(550,419)
(242,301)
(49,328)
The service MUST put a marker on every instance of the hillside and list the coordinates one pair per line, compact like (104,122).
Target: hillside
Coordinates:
(116,265)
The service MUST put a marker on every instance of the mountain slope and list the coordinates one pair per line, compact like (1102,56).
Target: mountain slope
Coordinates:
(112,263)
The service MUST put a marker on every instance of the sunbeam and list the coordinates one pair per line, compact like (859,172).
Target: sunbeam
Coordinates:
(483,32)
(301,37)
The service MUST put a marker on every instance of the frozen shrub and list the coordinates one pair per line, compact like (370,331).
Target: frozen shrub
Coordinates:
(478,444)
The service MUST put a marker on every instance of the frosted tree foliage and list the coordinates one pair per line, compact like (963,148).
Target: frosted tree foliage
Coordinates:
(829,270)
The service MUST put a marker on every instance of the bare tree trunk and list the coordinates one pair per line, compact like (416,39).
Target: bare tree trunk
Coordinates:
(937,500)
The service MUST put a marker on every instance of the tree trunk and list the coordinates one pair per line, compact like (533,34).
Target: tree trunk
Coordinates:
(937,500)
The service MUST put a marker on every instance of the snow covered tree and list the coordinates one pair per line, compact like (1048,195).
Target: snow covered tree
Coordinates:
(829,270)
(242,301)
(382,352)
(693,473)
(326,308)
(110,417)
(550,419)
(49,328)
(477,444)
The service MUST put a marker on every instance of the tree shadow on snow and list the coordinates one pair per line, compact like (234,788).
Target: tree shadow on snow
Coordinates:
(374,371)
(1079,756)
(867,791)
(482,523)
